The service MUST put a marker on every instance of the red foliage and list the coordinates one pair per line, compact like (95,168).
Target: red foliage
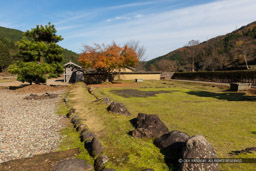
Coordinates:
(107,58)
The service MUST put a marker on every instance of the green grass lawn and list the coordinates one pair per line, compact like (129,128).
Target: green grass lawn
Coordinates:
(226,119)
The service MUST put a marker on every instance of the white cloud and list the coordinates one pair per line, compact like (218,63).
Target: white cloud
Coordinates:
(138,16)
(137,4)
(69,27)
(165,31)
(74,16)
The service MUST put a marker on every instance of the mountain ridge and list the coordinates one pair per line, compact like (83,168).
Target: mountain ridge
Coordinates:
(224,52)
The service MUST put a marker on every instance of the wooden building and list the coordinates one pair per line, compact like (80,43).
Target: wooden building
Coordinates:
(73,73)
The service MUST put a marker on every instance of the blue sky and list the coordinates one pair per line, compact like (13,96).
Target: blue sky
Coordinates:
(160,25)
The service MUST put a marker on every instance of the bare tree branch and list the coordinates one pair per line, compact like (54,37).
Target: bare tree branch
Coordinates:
(140,50)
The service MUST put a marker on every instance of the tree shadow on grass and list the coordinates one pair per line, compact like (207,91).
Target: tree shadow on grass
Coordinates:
(229,96)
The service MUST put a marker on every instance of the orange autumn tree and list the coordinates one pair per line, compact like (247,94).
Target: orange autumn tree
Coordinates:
(107,58)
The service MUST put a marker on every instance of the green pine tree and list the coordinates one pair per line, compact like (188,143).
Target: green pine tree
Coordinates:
(39,55)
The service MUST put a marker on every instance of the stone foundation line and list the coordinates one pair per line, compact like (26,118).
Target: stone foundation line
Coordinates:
(91,142)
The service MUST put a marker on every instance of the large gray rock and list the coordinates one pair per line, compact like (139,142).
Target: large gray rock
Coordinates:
(198,147)
(71,112)
(84,130)
(99,163)
(80,127)
(87,135)
(40,97)
(149,126)
(91,89)
(97,147)
(172,143)
(74,118)
(117,107)
(77,122)
(73,165)
(106,100)
(88,145)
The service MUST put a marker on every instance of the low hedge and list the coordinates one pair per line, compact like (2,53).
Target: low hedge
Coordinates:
(218,76)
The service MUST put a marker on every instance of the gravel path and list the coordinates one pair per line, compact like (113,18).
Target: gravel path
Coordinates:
(27,127)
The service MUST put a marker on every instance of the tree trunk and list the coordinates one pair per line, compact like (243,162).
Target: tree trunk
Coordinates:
(193,64)
(246,61)
(193,61)
(119,74)
(107,80)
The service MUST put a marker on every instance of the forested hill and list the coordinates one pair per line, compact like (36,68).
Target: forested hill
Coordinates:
(10,34)
(8,49)
(220,53)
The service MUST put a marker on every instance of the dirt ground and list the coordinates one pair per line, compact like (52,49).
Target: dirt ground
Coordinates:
(251,91)
(53,84)
(115,84)
(7,81)
(39,162)
(34,88)
(137,93)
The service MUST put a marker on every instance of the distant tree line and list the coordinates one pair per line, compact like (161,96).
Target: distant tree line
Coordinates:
(236,50)
(7,53)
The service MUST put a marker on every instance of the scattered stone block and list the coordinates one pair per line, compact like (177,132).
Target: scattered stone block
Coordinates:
(172,143)
(99,163)
(240,86)
(83,131)
(149,126)
(88,145)
(71,112)
(80,127)
(73,165)
(87,135)
(117,107)
(91,89)
(41,97)
(77,122)
(139,80)
(198,147)
(74,118)
(106,100)
(97,147)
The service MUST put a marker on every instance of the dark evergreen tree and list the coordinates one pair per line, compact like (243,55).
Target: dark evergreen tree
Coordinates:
(39,54)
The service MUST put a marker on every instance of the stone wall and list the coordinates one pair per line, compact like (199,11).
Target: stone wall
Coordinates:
(134,75)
